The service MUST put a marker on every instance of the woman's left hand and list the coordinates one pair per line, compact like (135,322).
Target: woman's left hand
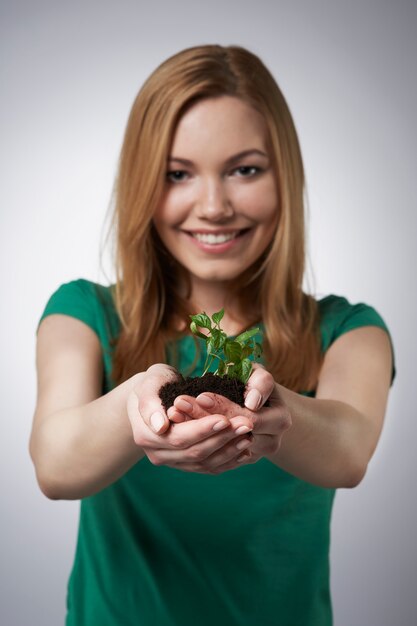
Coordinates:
(270,423)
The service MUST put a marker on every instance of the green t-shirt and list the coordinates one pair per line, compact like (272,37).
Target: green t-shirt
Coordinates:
(161,547)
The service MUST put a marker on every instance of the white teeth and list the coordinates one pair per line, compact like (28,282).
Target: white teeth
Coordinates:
(213,239)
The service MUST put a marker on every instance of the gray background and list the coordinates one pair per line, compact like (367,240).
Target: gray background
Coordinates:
(69,73)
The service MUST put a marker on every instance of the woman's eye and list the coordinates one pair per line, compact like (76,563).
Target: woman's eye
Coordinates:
(247,171)
(176,176)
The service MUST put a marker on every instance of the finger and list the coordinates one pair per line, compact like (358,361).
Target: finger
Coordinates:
(244,458)
(229,453)
(207,454)
(239,416)
(259,387)
(226,460)
(270,420)
(188,405)
(215,403)
(260,447)
(197,438)
(174,415)
(149,403)
(143,436)
(263,445)
(181,438)
(186,434)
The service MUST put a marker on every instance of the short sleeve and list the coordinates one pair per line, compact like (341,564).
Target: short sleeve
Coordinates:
(339,316)
(74,299)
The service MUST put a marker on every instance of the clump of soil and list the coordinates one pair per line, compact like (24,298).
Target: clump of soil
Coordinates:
(230,388)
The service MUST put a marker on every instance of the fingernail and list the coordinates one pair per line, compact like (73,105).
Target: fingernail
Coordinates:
(253,400)
(244,457)
(205,401)
(183,405)
(157,421)
(220,425)
(242,430)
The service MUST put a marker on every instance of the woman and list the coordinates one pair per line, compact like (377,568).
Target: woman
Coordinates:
(210,513)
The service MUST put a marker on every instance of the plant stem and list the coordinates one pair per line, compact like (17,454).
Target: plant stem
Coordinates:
(207,366)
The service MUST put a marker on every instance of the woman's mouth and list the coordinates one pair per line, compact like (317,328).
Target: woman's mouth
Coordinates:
(216,242)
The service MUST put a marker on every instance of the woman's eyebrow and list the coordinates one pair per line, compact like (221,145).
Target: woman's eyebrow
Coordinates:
(229,161)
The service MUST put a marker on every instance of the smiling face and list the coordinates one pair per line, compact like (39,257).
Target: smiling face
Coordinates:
(219,210)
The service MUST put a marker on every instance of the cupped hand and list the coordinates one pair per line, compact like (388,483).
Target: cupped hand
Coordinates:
(270,423)
(209,445)
(260,387)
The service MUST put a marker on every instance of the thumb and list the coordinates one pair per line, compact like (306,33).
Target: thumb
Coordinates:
(148,404)
(158,422)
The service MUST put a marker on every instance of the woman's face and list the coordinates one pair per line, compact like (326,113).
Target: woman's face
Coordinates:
(220,207)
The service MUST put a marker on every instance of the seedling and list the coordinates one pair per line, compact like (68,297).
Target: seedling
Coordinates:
(232,355)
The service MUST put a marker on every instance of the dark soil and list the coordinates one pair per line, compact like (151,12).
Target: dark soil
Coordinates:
(230,388)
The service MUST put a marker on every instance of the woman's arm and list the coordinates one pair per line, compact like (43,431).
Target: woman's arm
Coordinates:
(334,435)
(80,442)
(327,440)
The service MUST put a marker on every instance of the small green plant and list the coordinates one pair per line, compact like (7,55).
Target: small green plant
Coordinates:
(232,354)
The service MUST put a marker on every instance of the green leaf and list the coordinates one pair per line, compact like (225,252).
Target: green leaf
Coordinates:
(244,337)
(246,351)
(202,320)
(237,352)
(233,351)
(193,327)
(257,352)
(217,317)
(246,370)
(222,368)
(234,371)
(219,337)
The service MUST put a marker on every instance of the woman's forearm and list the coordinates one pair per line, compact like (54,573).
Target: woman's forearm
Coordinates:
(78,451)
(329,443)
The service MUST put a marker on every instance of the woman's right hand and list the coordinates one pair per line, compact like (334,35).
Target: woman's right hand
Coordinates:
(206,445)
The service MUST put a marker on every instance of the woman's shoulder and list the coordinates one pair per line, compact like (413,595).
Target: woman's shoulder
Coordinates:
(85,287)
(86,300)
(337,307)
(338,315)
(83,291)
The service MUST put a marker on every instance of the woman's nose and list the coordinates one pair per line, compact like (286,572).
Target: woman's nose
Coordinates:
(213,202)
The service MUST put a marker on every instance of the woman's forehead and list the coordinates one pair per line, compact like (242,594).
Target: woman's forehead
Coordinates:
(222,119)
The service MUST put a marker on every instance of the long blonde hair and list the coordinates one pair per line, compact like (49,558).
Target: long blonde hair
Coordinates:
(147,277)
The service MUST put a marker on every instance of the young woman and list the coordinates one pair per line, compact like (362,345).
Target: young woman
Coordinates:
(210,513)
